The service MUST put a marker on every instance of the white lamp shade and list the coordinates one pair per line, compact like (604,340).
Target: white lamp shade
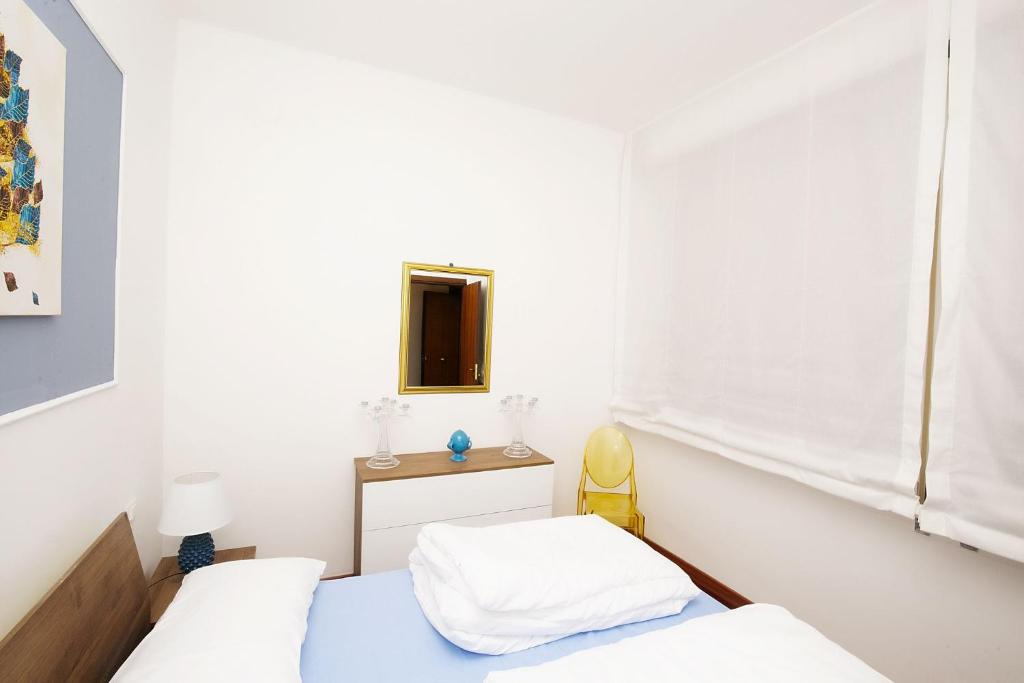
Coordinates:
(195,503)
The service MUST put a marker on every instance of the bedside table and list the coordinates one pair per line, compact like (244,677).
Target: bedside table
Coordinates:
(161,594)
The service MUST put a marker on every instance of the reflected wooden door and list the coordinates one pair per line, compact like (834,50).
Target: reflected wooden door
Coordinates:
(469,336)
(442,313)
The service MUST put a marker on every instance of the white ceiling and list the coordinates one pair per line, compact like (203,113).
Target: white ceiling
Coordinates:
(616,63)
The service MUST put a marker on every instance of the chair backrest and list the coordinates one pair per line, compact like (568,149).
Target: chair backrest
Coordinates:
(608,458)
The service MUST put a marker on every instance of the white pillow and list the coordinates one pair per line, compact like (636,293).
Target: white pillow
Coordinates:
(234,621)
(762,643)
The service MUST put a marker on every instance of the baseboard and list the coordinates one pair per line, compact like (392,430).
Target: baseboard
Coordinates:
(707,583)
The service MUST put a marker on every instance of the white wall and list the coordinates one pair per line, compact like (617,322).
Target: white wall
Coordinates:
(299,185)
(67,472)
(917,608)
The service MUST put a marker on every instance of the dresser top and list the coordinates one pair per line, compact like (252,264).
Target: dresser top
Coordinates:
(415,465)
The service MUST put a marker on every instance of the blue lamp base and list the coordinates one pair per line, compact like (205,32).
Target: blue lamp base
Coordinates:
(195,552)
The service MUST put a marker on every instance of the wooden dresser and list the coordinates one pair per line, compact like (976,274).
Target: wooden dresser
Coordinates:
(489,488)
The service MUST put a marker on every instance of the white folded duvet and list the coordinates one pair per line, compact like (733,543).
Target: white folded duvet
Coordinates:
(505,588)
(498,633)
(762,643)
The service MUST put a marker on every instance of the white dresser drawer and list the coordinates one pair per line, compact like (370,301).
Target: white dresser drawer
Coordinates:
(388,549)
(404,502)
(392,505)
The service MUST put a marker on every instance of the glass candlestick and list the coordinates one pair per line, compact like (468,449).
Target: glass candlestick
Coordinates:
(519,406)
(382,413)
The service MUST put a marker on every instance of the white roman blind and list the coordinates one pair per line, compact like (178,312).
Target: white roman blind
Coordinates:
(774,273)
(975,473)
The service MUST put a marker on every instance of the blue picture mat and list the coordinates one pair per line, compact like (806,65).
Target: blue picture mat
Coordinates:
(51,356)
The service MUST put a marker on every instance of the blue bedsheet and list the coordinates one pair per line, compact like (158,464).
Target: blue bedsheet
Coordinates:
(370,629)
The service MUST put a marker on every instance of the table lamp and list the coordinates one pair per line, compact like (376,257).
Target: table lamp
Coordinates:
(195,505)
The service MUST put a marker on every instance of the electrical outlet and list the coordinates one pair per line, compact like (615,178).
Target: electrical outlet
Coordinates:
(130,510)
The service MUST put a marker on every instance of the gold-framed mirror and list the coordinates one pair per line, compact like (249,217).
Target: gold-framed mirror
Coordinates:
(445,345)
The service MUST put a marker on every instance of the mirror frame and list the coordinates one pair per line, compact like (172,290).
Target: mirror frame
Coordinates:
(403,346)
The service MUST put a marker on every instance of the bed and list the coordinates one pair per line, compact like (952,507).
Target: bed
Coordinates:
(355,623)
(96,614)
(366,628)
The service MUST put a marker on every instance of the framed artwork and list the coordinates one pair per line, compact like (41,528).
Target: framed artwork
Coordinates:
(32,90)
(61,109)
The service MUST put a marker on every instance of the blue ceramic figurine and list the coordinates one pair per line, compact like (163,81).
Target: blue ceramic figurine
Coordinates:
(459,444)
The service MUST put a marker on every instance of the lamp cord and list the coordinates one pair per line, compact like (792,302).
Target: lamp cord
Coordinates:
(163,579)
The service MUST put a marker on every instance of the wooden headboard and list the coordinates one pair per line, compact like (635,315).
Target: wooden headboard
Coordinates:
(88,624)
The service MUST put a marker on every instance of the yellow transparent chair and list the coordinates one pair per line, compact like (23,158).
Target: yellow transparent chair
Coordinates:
(608,462)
